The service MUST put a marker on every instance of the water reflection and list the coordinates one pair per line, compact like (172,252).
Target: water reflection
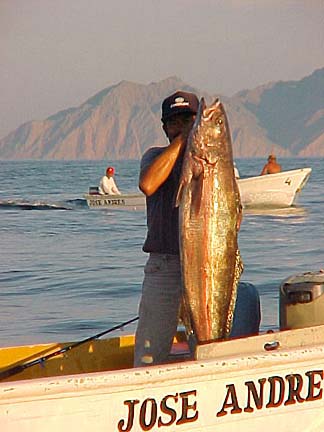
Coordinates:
(287,212)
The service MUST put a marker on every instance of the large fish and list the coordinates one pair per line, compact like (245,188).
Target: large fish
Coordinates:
(209,219)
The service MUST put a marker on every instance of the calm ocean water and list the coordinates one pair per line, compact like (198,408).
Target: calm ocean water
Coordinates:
(68,272)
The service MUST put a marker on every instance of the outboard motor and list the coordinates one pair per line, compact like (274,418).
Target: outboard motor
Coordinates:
(302,301)
(93,190)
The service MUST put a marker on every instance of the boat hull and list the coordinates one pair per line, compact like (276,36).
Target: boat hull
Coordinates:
(117,202)
(269,191)
(273,190)
(267,382)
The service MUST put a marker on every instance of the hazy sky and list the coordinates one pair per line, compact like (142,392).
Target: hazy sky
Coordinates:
(57,53)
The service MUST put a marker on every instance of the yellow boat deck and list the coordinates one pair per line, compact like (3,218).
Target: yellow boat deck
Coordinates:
(93,356)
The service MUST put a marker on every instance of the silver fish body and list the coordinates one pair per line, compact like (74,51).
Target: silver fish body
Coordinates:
(209,219)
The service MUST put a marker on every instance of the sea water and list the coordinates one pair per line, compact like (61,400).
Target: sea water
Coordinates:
(68,272)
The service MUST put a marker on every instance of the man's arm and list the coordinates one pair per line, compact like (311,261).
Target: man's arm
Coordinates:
(159,170)
(114,187)
(265,170)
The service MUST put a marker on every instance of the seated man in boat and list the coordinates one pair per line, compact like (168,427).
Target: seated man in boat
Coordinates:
(271,167)
(107,183)
(162,286)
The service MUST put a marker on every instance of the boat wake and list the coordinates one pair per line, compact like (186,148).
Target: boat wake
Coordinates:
(43,205)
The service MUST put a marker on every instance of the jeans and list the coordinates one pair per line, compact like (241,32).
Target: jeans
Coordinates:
(159,310)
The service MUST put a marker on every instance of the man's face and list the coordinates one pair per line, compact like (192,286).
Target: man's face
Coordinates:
(177,124)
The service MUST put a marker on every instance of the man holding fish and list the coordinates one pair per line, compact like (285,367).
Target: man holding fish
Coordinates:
(201,268)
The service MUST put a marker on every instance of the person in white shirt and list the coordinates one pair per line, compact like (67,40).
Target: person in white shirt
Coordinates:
(107,183)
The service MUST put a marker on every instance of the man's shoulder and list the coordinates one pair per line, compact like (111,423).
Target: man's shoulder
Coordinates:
(150,155)
(153,151)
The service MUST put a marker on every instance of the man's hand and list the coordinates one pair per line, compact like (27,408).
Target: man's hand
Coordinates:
(159,170)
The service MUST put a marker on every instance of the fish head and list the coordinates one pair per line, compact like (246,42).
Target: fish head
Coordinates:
(210,133)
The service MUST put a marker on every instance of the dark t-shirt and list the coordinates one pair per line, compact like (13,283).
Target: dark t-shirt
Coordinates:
(162,215)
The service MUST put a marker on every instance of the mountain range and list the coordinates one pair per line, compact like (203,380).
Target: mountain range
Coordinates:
(123,120)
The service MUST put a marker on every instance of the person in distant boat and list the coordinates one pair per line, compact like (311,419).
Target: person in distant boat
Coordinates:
(271,167)
(159,177)
(107,183)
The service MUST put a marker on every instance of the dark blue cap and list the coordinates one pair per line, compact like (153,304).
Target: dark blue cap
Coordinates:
(178,103)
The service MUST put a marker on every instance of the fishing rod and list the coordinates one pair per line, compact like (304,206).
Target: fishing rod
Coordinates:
(21,367)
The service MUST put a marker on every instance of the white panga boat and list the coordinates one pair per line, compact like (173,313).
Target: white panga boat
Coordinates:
(268,382)
(273,190)
(132,201)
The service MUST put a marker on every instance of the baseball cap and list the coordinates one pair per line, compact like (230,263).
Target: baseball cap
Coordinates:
(179,102)
(110,170)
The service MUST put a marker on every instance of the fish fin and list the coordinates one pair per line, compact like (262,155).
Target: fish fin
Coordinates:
(184,180)
(179,194)
(239,206)
(197,186)
(185,318)
(237,274)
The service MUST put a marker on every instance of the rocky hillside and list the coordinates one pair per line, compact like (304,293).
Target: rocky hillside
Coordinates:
(122,121)
(291,113)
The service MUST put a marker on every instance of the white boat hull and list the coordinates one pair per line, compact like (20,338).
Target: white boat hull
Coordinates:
(117,202)
(274,190)
(268,382)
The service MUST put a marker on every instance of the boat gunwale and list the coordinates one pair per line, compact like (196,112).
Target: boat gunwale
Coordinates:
(309,349)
